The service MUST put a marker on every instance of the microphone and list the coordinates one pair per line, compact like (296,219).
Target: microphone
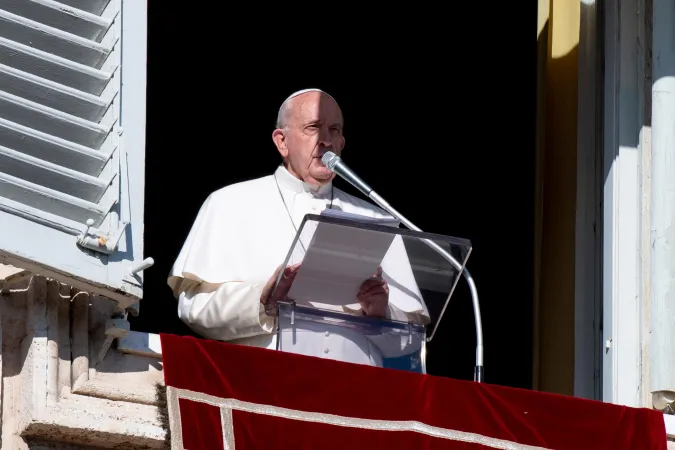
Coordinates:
(335,164)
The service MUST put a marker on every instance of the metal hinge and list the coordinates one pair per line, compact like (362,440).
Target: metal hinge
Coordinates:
(100,243)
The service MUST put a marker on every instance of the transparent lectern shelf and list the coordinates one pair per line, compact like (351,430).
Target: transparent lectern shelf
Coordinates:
(350,338)
(336,255)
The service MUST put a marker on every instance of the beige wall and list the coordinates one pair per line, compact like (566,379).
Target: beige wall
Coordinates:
(557,39)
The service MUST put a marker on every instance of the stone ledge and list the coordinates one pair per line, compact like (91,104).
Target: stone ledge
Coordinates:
(669,420)
(142,344)
(98,422)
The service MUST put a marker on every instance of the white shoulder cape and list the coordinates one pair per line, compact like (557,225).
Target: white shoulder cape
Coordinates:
(243,233)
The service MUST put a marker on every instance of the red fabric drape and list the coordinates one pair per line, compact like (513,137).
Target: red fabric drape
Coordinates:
(450,414)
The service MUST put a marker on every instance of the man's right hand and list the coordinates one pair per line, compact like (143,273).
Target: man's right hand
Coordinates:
(271,296)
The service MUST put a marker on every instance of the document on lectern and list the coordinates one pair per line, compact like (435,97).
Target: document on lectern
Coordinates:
(339,259)
(339,214)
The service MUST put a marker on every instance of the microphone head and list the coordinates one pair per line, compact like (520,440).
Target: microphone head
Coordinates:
(330,160)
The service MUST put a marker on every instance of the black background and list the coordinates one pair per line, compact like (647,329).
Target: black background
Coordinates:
(439,118)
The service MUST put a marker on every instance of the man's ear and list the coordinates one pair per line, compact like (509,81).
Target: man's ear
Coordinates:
(280,141)
(342,146)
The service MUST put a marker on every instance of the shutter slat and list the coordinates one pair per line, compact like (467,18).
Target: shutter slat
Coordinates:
(51,121)
(52,40)
(52,201)
(91,6)
(52,176)
(61,16)
(53,95)
(50,148)
(49,220)
(50,159)
(52,67)
(64,156)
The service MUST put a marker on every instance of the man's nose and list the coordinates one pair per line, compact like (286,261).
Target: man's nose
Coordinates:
(324,137)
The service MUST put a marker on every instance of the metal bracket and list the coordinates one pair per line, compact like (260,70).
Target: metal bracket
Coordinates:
(115,328)
(133,277)
(293,313)
(141,266)
(100,243)
(107,243)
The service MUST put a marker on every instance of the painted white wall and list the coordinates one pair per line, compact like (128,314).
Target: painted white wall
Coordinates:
(662,281)
(623,90)
(639,204)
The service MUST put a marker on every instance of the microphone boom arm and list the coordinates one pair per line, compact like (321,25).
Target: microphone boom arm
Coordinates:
(335,164)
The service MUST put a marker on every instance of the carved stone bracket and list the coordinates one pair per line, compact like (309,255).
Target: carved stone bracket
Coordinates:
(63,377)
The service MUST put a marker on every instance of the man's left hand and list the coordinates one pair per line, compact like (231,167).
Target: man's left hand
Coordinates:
(374,295)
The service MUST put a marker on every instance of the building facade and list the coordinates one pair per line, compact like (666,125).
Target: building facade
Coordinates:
(72,165)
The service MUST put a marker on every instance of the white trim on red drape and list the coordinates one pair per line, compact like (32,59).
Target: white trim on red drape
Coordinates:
(227,405)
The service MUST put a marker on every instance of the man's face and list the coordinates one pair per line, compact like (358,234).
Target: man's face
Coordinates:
(313,126)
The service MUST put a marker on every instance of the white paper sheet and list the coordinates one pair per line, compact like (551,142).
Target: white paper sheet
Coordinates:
(338,260)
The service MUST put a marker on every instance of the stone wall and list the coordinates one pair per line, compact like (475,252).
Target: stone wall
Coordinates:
(73,375)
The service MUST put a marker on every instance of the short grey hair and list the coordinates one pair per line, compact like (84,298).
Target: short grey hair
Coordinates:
(284,113)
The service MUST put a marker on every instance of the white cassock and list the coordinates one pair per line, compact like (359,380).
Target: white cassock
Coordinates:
(242,233)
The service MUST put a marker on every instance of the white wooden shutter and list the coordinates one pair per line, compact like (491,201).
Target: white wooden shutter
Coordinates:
(72,141)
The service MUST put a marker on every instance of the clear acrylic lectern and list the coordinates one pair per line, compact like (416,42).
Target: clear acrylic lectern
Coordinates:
(318,311)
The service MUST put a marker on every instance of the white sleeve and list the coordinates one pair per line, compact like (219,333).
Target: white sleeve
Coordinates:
(224,311)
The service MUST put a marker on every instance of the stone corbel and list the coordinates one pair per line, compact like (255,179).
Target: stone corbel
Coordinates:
(64,380)
(99,369)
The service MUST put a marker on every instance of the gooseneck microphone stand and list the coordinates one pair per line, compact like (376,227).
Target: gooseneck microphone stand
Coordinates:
(335,164)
